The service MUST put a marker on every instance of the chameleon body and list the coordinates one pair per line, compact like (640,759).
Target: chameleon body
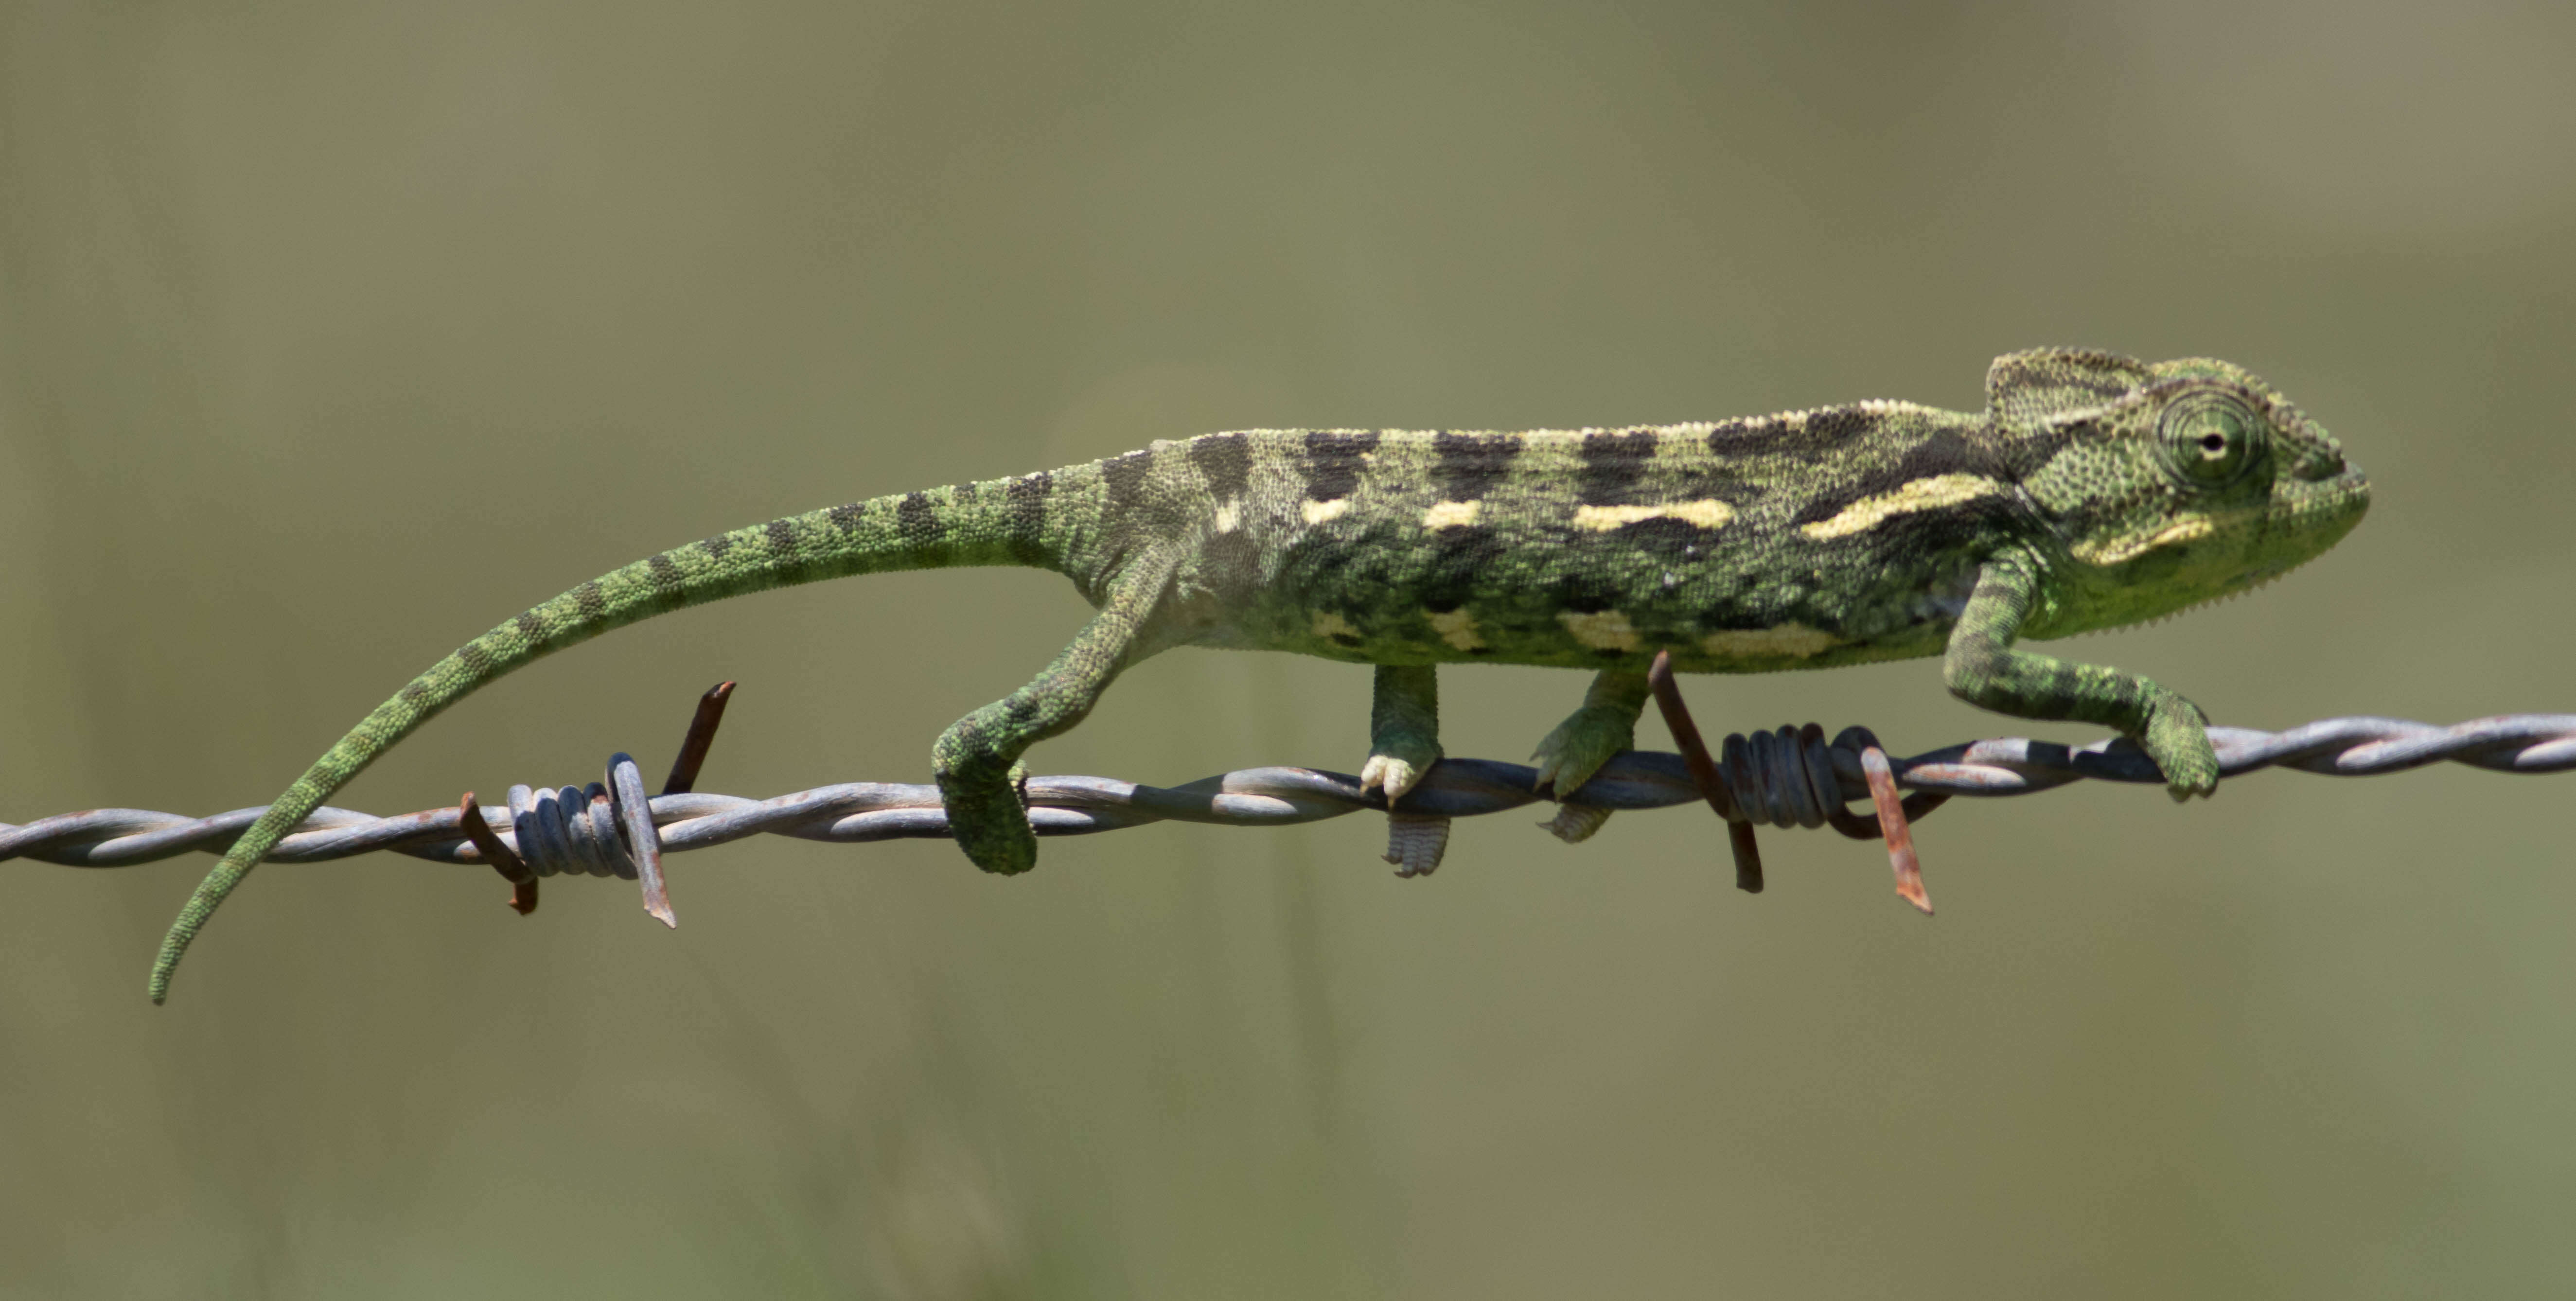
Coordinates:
(2093,491)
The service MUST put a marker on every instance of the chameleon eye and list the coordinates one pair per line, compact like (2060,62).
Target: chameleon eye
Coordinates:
(2211,438)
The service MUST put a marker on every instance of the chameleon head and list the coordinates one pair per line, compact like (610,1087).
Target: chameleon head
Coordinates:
(2166,485)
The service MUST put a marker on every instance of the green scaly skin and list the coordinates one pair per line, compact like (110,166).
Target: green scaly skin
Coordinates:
(2094,491)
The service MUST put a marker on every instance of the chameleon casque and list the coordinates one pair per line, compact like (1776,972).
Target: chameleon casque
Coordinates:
(2093,491)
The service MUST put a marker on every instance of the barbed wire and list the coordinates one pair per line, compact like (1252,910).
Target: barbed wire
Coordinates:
(1790,777)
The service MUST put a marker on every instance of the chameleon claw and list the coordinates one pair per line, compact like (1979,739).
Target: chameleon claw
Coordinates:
(1397,773)
(1393,774)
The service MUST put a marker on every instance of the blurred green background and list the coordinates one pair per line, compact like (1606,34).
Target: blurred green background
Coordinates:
(330,334)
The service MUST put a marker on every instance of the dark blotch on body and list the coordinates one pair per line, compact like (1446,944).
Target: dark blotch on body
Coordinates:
(1612,463)
(1024,516)
(1819,435)
(717,546)
(1586,593)
(666,578)
(916,521)
(1459,557)
(1334,460)
(1835,426)
(1945,452)
(1664,539)
(1744,438)
(1126,476)
(590,600)
(1470,466)
(846,516)
(1225,460)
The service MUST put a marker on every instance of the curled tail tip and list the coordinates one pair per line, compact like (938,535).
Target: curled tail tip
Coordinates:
(166,963)
(158,987)
(183,928)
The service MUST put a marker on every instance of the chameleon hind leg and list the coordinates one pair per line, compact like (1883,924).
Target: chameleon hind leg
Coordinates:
(977,759)
(1404,741)
(1605,725)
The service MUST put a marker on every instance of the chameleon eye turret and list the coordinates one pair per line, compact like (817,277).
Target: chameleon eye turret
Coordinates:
(2212,437)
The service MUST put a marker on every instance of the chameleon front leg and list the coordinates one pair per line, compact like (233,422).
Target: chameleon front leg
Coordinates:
(977,758)
(1983,669)
(1605,725)
(1404,728)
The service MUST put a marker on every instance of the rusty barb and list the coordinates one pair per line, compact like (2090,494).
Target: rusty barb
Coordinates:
(1766,767)
(1791,777)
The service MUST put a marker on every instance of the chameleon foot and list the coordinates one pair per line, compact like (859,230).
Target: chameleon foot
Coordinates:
(1604,726)
(1415,842)
(990,822)
(2178,740)
(1578,747)
(1575,823)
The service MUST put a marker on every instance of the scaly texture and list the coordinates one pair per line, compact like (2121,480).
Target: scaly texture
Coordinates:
(2094,491)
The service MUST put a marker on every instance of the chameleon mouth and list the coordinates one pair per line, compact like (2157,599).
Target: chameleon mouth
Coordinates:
(2257,578)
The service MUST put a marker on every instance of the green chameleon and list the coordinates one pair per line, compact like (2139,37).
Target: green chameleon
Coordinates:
(2094,491)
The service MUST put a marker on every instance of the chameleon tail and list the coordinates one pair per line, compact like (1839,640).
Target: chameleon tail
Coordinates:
(1025,521)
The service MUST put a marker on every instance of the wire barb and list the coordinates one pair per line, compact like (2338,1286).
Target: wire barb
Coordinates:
(702,735)
(1790,774)
(523,883)
(1705,774)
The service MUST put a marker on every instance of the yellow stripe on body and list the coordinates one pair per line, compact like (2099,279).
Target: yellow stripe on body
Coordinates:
(1707,514)
(1793,640)
(1921,495)
(1458,628)
(1451,514)
(1607,630)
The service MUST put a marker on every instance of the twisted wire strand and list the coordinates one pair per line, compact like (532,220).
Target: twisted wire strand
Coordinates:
(1788,777)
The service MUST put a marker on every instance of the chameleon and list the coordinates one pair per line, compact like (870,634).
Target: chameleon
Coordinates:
(2094,491)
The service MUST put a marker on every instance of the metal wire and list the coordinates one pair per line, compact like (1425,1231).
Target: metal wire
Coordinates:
(1790,777)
